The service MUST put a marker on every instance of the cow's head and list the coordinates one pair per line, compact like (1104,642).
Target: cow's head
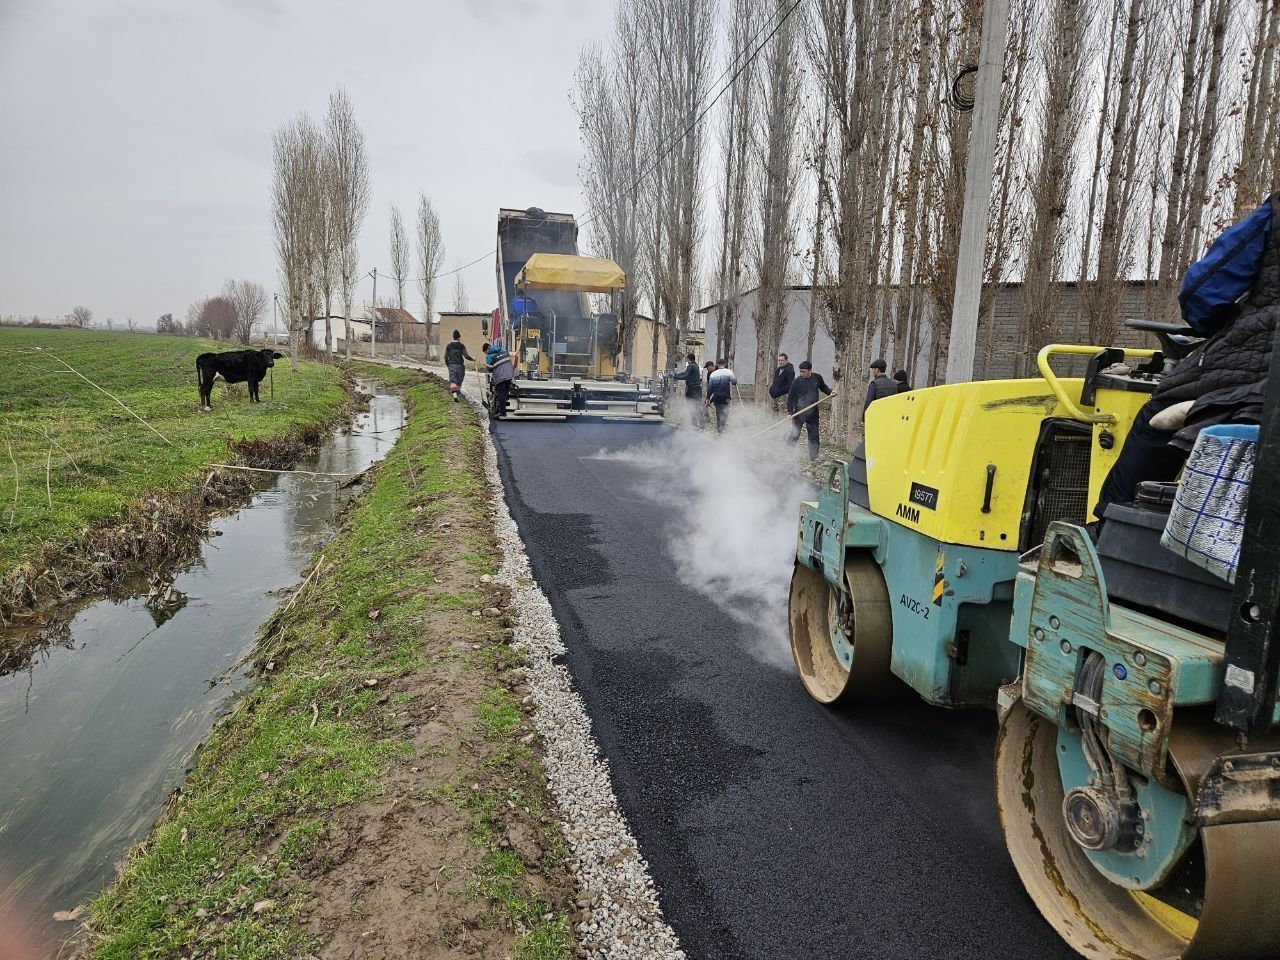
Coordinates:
(270,356)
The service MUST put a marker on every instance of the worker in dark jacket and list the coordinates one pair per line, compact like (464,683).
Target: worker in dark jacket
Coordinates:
(692,378)
(1221,381)
(879,387)
(900,378)
(783,377)
(454,355)
(801,405)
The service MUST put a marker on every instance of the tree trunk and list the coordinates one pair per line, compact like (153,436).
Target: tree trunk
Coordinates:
(1177,202)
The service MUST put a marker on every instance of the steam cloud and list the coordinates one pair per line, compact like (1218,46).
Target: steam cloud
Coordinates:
(740,491)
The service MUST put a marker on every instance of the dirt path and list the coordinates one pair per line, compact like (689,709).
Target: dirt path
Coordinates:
(379,793)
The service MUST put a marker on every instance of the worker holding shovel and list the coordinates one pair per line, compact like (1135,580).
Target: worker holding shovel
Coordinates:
(802,405)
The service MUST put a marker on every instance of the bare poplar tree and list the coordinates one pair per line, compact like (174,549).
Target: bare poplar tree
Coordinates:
(738,156)
(1060,125)
(609,99)
(430,258)
(1260,143)
(1101,301)
(249,300)
(348,199)
(776,184)
(461,303)
(81,317)
(1209,129)
(819,161)
(677,41)
(399,263)
(297,201)
(848,44)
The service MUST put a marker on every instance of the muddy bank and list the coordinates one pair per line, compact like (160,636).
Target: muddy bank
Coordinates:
(379,790)
(97,731)
(38,597)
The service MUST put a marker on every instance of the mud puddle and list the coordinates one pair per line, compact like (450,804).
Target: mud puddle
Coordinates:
(99,730)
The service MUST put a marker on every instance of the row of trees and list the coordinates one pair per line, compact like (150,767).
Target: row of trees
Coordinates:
(234,314)
(320,196)
(1131,131)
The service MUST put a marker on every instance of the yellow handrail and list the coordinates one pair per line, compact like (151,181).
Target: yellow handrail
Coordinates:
(1082,350)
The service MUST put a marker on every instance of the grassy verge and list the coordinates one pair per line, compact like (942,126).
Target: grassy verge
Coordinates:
(397,378)
(73,463)
(377,792)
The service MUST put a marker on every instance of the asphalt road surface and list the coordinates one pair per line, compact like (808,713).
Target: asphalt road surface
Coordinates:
(775,828)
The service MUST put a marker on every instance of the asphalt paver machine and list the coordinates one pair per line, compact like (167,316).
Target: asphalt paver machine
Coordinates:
(565,355)
(1137,762)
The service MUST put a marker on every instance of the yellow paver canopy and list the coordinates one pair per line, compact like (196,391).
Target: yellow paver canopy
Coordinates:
(560,271)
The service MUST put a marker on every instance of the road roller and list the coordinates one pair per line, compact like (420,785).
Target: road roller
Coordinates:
(956,557)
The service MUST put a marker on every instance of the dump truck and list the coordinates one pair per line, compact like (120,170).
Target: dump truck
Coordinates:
(565,354)
(1137,763)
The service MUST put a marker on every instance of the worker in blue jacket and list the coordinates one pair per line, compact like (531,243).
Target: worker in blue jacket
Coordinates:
(501,372)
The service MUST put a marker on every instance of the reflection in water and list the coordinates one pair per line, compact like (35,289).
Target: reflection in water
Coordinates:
(97,733)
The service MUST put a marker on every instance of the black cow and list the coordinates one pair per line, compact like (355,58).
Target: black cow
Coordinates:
(235,366)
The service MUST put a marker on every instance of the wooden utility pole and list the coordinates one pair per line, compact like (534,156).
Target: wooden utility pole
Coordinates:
(373,342)
(970,263)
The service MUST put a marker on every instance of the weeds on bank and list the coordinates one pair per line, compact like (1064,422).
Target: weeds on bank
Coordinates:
(71,459)
(308,739)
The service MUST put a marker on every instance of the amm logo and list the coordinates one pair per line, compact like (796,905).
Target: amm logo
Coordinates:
(907,512)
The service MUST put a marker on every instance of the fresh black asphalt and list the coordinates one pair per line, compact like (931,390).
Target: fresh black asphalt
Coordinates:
(775,828)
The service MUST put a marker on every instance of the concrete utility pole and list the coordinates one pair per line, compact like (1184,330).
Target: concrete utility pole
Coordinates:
(373,343)
(970,262)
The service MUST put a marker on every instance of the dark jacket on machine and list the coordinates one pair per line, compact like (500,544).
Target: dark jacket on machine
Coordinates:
(692,378)
(783,377)
(879,388)
(804,391)
(1227,373)
(456,352)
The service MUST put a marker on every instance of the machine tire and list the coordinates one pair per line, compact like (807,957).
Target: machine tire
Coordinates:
(1237,918)
(815,637)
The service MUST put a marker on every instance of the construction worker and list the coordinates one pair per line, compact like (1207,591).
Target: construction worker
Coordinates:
(783,377)
(802,400)
(501,373)
(880,386)
(904,384)
(720,385)
(692,378)
(454,356)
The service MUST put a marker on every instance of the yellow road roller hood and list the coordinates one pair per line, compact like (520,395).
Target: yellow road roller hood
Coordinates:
(560,271)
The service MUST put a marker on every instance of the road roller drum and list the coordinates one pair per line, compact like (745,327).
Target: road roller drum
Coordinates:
(1137,768)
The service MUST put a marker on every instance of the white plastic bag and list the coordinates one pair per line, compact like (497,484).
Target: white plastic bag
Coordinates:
(1206,522)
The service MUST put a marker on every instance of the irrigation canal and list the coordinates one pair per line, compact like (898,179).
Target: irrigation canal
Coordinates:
(98,731)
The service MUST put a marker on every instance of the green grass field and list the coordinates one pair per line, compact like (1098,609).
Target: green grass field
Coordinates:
(72,460)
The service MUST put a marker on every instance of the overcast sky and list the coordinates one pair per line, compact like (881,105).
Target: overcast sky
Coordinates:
(136,150)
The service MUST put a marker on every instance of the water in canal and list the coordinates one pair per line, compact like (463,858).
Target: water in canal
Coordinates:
(97,733)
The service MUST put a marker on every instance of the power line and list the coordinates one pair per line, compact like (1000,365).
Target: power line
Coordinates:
(679,135)
(705,110)
(447,273)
